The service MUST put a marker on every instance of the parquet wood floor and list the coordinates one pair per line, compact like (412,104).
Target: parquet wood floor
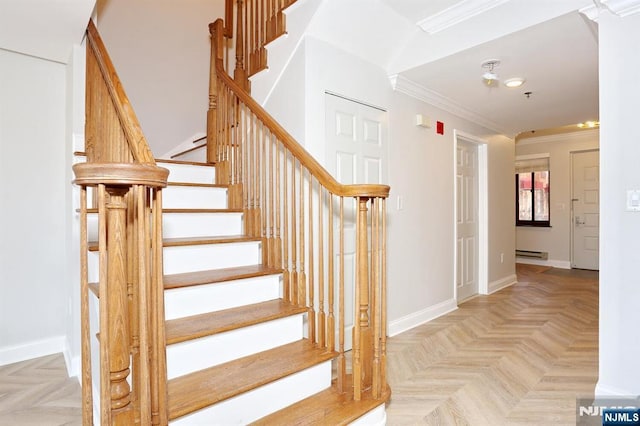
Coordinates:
(38,392)
(518,357)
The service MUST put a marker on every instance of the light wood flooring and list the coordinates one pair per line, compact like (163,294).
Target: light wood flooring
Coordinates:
(518,357)
(38,392)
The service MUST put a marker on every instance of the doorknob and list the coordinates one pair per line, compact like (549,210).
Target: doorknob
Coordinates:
(578,221)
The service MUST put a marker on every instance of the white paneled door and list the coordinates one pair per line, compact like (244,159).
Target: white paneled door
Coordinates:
(585,204)
(356,153)
(467,223)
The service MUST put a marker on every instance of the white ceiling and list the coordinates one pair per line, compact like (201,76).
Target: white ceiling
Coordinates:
(545,41)
(558,59)
(433,50)
(43,28)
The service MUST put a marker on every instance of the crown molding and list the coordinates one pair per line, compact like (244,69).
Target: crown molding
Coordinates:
(578,135)
(465,9)
(621,8)
(415,90)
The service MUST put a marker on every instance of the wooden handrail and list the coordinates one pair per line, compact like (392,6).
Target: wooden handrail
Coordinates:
(319,172)
(127,196)
(127,117)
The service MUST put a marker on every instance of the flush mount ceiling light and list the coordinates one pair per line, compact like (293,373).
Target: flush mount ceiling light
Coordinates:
(514,82)
(489,77)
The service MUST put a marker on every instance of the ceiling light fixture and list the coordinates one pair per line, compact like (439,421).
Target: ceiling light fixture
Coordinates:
(589,124)
(489,77)
(514,82)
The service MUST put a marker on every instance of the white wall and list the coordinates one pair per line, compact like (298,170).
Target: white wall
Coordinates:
(33,186)
(420,169)
(619,229)
(161,51)
(286,103)
(555,240)
(75,118)
(501,256)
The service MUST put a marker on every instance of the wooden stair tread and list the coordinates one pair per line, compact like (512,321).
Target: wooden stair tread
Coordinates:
(203,185)
(186,163)
(220,239)
(194,241)
(194,327)
(328,407)
(202,210)
(161,160)
(217,275)
(93,210)
(212,276)
(200,389)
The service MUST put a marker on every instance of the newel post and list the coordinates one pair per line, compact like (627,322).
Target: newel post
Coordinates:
(362,333)
(212,117)
(119,403)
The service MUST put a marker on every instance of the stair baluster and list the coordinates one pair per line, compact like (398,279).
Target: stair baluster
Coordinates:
(307,198)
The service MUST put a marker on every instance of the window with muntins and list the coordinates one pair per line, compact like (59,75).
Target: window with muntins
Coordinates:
(532,192)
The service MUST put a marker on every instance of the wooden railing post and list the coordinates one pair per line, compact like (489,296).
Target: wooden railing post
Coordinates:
(212,113)
(124,274)
(362,337)
(118,302)
(240,73)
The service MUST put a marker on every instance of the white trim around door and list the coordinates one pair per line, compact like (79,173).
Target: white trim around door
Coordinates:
(483,226)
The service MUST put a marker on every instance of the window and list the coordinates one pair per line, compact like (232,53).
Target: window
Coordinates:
(532,192)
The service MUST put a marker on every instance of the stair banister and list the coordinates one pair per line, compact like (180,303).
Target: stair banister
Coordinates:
(106,150)
(126,190)
(281,186)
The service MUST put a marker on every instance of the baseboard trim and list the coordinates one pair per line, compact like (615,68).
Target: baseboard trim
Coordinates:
(562,264)
(605,391)
(417,318)
(505,282)
(71,362)
(34,349)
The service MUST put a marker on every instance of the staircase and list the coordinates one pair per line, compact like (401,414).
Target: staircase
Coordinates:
(214,293)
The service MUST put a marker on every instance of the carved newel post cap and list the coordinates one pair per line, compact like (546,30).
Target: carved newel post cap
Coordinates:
(120,174)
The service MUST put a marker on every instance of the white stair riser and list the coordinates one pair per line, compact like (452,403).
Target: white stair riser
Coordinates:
(182,225)
(262,401)
(175,225)
(194,197)
(190,173)
(375,417)
(197,258)
(202,257)
(187,357)
(200,299)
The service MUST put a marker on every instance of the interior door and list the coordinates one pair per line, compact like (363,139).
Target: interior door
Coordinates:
(356,153)
(467,223)
(585,204)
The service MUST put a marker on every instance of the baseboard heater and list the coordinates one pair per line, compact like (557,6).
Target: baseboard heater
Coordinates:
(543,255)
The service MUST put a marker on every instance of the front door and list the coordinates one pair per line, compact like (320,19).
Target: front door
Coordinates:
(356,153)
(585,204)
(467,229)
